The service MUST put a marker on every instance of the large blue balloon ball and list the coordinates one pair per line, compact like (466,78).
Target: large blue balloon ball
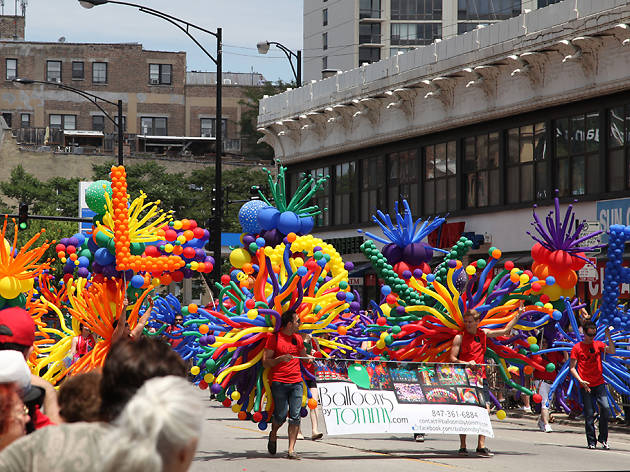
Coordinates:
(248,216)
(268,217)
(103,256)
(306,224)
(137,281)
(289,222)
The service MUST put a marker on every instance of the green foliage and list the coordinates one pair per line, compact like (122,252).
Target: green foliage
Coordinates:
(249,118)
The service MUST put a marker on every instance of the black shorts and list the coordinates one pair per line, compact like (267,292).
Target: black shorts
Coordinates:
(311,384)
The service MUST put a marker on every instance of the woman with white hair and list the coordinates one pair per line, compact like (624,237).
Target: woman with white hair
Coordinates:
(158,430)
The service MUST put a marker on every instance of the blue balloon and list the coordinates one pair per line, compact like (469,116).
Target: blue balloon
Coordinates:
(289,222)
(268,217)
(83,261)
(103,256)
(248,216)
(306,224)
(137,281)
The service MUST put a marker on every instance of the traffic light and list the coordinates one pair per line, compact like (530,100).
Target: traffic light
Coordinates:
(23,216)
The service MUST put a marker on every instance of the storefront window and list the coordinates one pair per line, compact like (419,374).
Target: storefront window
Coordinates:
(526,166)
(481,170)
(440,169)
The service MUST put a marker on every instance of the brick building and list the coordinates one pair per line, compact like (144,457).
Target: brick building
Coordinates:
(160,98)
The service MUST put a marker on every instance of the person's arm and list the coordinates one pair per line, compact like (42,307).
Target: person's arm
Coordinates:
(495,333)
(577,377)
(137,331)
(270,361)
(455,348)
(73,349)
(50,405)
(117,335)
(610,349)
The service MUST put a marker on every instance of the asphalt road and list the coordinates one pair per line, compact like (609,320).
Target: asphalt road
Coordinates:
(230,445)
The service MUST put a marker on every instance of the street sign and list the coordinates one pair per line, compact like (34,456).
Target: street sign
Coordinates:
(589,272)
(591,227)
(613,212)
(355,281)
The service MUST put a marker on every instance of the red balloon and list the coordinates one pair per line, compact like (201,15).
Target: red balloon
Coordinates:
(381,321)
(225,279)
(537,398)
(170,235)
(509,265)
(71,249)
(60,247)
(391,299)
(576,262)
(203,384)
(189,252)
(227,403)
(257,416)
(152,251)
(560,260)
(540,253)
(198,232)
(177,276)
(192,224)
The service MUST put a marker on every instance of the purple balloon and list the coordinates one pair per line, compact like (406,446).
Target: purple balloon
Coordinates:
(248,239)
(416,254)
(393,253)
(83,272)
(273,237)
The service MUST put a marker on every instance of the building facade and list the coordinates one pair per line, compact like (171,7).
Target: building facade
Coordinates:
(344,34)
(482,126)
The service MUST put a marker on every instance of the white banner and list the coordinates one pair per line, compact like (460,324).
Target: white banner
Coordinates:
(350,410)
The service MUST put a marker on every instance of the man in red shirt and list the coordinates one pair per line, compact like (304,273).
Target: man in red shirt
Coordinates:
(470,348)
(280,356)
(586,368)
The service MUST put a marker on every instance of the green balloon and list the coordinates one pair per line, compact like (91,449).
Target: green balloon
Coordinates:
(137,248)
(102,239)
(210,365)
(95,196)
(359,375)
(550,367)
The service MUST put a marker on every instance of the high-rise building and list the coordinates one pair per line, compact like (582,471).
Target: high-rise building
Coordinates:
(344,34)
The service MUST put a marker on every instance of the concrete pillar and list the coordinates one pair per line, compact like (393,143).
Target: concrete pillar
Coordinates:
(449,18)
(187,291)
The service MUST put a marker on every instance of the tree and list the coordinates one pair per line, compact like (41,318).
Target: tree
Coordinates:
(26,188)
(249,119)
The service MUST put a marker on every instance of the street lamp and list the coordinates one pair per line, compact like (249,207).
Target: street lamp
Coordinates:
(263,48)
(92,98)
(218,61)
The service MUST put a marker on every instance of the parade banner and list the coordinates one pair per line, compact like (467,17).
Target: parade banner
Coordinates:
(381,398)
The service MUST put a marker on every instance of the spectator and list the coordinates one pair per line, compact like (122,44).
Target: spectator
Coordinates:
(82,344)
(175,330)
(158,430)
(286,379)
(14,385)
(127,367)
(586,368)
(80,397)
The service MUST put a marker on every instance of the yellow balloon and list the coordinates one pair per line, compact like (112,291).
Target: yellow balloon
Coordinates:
(27,284)
(239,257)
(236,396)
(208,378)
(195,370)
(532,340)
(236,408)
(10,287)
(501,414)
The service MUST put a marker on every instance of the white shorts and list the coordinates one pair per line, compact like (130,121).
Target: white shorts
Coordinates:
(543,390)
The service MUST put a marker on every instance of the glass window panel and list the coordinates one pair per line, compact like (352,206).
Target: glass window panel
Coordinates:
(494,191)
(577,134)
(592,174)
(54,121)
(616,169)
(482,189)
(627,124)
(471,191)
(429,197)
(540,142)
(577,175)
(493,150)
(592,132)
(440,196)
(99,72)
(470,164)
(527,183)
(98,123)
(616,134)
(53,71)
(409,171)
(482,151)
(429,163)
(563,178)
(513,151)
(412,198)
(452,194)
(440,160)
(542,181)
(512,185)
(526,153)
(451,152)
(69,122)
(11,69)
(562,137)
(154,73)
(393,167)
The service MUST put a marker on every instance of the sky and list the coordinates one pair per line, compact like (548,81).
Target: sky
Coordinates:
(244,23)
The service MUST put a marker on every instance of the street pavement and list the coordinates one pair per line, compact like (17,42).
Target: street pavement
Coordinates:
(230,445)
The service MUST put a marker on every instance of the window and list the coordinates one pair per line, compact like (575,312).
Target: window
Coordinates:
(440,186)
(25,120)
(68,122)
(415,33)
(160,74)
(53,71)
(369,55)
(403,178)
(11,69)
(370,33)
(78,71)
(208,127)
(487,9)
(466,27)
(527,176)
(416,10)
(345,211)
(154,126)
(481,170)
(324,62)
(618,177)
(99,72)
(576,160)
(325,41)
(325,17)
(321,198)
(372,187)
(370,9)
(98,123)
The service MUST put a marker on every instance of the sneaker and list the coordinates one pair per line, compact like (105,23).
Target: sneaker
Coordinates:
(418,437)
(527,409)
(463,451)
(300,436)
(484,452)
(605,445)
(541,425)
(591,446)
(548,428)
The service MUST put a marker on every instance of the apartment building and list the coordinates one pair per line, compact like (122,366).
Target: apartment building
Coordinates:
(344,34)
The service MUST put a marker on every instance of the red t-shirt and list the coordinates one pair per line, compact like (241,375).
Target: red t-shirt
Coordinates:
(473,348)
(280,344)
(589,362)
(556,358)
(174,342)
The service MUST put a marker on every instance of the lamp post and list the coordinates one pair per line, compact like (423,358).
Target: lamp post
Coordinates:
(92,98)
(263,48)
(218,61)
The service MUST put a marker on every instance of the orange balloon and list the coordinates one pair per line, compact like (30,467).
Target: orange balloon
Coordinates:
(204,328)
(528,369)
(192,308)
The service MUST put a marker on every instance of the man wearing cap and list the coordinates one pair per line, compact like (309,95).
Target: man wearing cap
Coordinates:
(15,382)
(17,333)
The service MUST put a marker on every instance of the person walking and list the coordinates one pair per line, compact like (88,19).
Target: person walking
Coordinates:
(586,368)
(469,348)
(280,356)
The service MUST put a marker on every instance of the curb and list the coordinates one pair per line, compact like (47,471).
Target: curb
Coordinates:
(563,419)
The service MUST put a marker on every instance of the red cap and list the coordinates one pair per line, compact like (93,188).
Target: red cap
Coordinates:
(16,326)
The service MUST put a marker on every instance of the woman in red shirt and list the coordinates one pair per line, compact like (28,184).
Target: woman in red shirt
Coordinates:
(281,357)
(82,344)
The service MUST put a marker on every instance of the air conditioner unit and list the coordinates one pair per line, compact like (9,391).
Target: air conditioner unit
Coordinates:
(154,81)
